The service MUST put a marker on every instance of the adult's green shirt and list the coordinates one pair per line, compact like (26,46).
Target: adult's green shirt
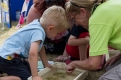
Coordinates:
(105,28)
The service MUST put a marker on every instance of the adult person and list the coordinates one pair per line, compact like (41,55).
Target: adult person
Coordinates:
(35,12)
(103,19)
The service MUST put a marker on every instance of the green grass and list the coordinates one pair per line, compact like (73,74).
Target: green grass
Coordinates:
(4,34)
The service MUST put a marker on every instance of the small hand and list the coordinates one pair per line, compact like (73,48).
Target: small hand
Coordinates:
(36,78)
(70,68)
(113,59)
(62,58)
(49,65)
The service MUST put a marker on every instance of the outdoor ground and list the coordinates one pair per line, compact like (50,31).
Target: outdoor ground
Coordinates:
(93,75)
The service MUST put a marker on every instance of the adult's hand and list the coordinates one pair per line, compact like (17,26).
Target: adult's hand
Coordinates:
(113,59)
(70,67)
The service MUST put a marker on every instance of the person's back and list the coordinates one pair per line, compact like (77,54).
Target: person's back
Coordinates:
(36,11)
(110,25)
(19,43)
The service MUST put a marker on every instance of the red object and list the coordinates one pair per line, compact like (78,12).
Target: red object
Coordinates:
(110,48)
(21,19)
(68,61)
(16,55)
(73,50)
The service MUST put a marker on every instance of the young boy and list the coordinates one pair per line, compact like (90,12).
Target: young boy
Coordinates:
(26,43)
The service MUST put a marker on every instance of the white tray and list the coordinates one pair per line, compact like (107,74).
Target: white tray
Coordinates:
(78,74)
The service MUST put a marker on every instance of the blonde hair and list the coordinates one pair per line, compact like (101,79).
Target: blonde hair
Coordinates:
(56,16)
(75,5)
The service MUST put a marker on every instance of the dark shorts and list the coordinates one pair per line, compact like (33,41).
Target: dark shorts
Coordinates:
(56,46)
(15,67)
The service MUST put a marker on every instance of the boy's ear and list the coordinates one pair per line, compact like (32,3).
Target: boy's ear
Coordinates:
(50,28)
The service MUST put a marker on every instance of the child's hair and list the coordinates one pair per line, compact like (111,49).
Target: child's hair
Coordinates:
(42,5)
(75,5)
(56,16)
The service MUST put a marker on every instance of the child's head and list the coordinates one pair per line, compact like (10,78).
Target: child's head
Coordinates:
(54,21)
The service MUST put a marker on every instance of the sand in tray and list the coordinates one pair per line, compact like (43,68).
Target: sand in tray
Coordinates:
(60,74)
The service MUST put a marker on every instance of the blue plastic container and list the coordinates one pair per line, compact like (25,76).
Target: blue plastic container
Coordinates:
(17,5)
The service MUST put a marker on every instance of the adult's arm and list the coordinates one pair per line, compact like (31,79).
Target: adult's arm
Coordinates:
(33,14)
(92,63)
(99,39)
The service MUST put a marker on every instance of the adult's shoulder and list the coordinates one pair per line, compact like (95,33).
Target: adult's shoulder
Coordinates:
(33,9)
(33,14)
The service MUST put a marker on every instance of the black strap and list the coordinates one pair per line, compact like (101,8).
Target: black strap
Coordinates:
(94,8)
